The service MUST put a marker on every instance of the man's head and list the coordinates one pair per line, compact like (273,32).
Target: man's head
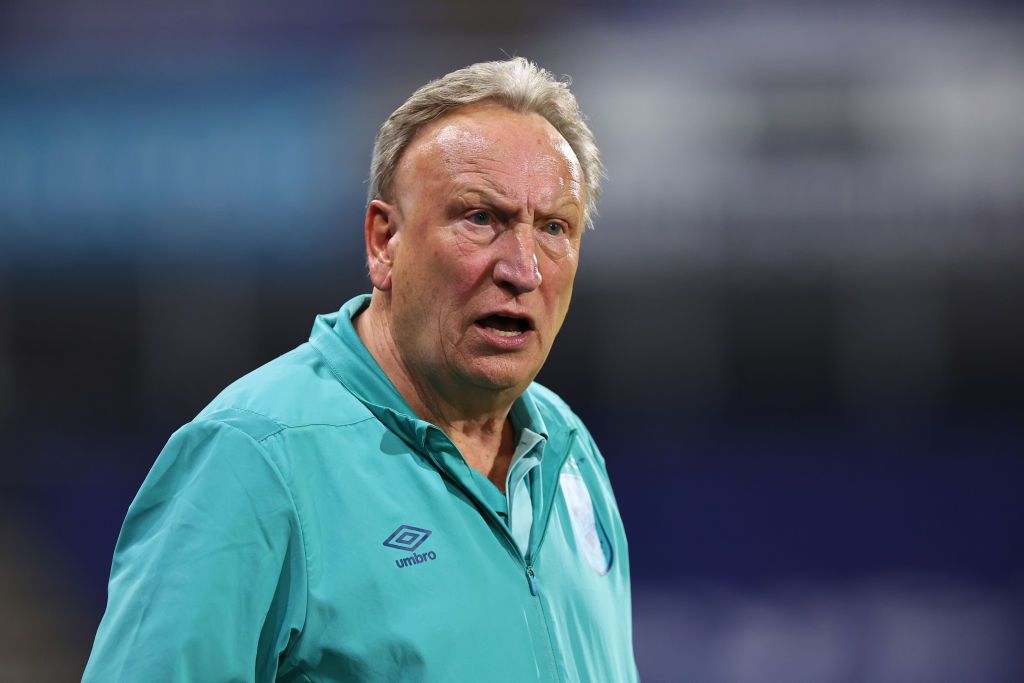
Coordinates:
(473,244)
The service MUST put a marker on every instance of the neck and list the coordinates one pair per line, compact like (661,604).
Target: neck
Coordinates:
(477,422)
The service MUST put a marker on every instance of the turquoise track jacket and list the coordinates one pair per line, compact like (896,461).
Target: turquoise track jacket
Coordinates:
(307,526)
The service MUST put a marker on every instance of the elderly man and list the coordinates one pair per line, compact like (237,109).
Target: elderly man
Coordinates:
(396,499)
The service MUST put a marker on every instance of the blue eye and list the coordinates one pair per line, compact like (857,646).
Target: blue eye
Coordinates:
(554,228)
(480,218)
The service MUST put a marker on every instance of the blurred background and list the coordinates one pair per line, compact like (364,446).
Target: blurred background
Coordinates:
(797,332)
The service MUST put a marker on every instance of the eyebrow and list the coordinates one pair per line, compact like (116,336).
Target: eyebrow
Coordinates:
(496,199)
(492,198)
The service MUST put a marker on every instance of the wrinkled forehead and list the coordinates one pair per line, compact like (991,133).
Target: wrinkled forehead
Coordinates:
(521,151)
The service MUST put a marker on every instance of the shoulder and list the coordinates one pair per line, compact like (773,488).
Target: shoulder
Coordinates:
(553,408)
(296,389)
(558,415)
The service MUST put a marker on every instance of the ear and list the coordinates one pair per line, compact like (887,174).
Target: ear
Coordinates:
(381,232)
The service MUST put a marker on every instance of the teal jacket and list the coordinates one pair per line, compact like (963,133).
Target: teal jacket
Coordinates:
(306,526)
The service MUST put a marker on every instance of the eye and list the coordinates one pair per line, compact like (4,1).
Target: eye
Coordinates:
(480,218)
(554,228)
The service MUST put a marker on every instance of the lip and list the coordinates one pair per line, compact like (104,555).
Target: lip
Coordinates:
(506,342)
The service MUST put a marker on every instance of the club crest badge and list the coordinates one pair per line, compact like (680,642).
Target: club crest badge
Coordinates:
(591,539)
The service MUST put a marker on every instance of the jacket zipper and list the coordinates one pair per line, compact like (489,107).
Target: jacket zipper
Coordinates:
(530,574)
(553,495)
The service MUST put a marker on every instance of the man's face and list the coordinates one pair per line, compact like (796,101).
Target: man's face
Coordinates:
(487,218)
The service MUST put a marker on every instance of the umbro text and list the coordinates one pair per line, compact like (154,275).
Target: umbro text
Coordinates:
(416,558)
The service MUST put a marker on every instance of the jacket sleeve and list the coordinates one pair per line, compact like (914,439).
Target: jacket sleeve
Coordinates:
(208,577)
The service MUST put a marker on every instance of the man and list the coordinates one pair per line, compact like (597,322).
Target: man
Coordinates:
(395,499)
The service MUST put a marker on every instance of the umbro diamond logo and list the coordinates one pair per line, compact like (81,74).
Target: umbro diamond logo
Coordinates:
(409,538)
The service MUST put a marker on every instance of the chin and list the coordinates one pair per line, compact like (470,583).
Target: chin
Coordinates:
(501,376)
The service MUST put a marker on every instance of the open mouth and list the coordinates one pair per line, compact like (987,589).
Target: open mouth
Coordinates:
(505,325)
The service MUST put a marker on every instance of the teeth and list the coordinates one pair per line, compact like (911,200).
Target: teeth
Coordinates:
(503,333)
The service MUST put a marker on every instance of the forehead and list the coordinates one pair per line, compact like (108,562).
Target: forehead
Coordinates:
(516,153)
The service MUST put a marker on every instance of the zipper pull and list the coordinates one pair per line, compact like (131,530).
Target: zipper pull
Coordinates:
(531,578)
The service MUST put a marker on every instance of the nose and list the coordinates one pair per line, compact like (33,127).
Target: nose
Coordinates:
(516,266)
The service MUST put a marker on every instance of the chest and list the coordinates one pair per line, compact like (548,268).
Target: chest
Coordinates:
(409,578)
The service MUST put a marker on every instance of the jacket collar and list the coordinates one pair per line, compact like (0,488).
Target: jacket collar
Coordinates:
(334,336)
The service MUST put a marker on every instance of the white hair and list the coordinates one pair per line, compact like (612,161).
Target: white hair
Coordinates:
(516,83)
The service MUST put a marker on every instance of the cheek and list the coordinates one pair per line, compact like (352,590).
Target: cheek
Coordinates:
(464,268)
(436,269)
(451,281)
(558,277)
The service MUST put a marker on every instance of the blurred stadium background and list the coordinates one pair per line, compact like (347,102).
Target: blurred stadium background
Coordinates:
(797,332)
